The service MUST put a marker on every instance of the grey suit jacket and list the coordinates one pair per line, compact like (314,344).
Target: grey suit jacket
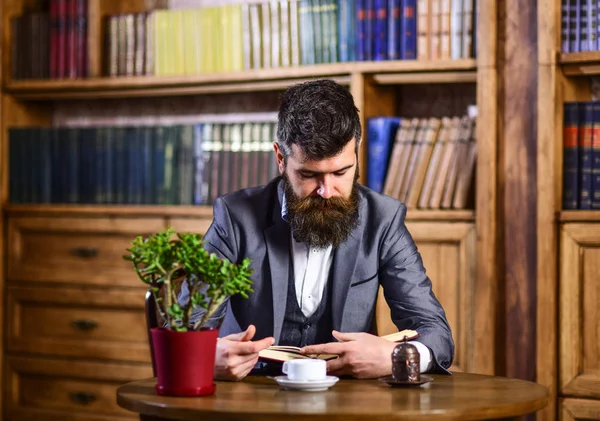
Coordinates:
(380,251)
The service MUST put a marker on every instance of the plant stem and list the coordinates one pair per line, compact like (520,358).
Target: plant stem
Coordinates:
(214,305)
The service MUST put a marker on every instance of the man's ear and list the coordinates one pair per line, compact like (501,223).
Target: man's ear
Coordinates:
(279,156)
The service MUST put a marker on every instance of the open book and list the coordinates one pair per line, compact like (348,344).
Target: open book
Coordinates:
(286,353)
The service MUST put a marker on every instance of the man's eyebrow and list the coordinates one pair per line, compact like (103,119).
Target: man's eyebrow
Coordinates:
(347,167)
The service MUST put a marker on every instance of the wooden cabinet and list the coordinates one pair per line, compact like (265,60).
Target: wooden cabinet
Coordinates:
(579,409)
(75,310)
(579,310)
(59,389)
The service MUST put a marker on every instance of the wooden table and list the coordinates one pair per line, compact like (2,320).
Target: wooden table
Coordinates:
(460,396)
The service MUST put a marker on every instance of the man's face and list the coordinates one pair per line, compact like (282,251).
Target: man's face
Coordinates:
(321,195)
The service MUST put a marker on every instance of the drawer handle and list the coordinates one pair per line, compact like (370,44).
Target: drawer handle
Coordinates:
(82,398)
(84,252)
(84,325)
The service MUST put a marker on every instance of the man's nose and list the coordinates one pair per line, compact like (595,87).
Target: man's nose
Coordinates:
(325,189)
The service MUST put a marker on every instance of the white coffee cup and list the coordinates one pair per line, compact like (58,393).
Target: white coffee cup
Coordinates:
(305,369)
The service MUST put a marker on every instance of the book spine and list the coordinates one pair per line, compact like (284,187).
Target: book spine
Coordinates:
(394,29)
(564,26)
(456,29)
(583,25)
(574,9)
(595,158)
(570,155)
(369,29)
(408,39)
(360,30)
(586,123)
(381,30)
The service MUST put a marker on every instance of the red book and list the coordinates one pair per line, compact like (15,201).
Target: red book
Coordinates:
(54,43)
(62,38)
(71,38)
(81,49)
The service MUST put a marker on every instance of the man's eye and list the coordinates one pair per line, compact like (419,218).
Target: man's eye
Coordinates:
(305,176)
(339,173)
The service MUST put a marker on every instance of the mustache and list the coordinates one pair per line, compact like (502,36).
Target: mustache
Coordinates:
(332,204)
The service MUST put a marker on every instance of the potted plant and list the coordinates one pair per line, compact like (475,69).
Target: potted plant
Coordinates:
(184,349)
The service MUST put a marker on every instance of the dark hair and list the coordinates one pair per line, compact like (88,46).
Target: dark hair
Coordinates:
(320,117)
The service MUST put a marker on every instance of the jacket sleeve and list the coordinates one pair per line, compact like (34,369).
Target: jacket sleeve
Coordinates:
(409,294)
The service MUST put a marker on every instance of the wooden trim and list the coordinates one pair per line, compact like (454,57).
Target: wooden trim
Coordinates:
(569,321)
(251,80)
(579,409)
(460,215)
(549,184)
(486,281)
(487,34)
(421,78)
(580,216)
(223,88)
(586,57)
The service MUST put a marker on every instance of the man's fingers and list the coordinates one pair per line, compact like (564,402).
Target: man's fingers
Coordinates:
(247,348)
(337,367)
(337,348)
(346,337)
(246,335)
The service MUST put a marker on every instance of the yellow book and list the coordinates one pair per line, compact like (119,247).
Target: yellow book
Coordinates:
(236,38)
(177,46)
(161,28)
(189,42)
(224,48)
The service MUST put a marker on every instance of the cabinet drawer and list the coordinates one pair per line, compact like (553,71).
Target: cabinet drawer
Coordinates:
(67,389)
(83,322)
(572,409)
(75,250)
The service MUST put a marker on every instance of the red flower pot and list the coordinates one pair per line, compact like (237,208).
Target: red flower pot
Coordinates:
(185,361)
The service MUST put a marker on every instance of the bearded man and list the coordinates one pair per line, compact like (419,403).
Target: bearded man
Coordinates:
(321,245)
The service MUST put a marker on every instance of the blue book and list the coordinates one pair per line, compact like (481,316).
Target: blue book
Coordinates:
(361,30)
(345,27)
(369,39)
(564,26)
(394,29)
(586,126)
(408,36)
(381,132)
(570,155)
(574,31)
(380,35)
(596,158)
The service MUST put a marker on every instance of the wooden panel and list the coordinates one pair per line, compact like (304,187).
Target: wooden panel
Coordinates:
(195,225)
(579,409)
(579,320)
(447,250)
(78,322)
(487,35)
(245,80)
(518,140)
(486,280)
(50,388)
(75,250)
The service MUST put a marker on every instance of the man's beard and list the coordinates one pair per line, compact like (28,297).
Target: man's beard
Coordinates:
(321,222)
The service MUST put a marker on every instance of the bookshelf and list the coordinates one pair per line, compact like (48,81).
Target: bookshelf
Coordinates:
(459,246)
(568,240)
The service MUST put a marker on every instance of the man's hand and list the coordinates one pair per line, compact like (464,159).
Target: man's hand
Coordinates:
(237,354)
(361,355)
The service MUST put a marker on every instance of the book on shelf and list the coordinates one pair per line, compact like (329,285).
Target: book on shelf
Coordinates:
(287,353)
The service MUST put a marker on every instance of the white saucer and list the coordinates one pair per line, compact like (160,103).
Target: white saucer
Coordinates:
(306,385)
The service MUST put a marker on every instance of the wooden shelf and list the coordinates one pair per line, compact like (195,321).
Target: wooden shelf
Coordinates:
(404,71)
(580,216)
(193,211)
(109,210)
(581,64)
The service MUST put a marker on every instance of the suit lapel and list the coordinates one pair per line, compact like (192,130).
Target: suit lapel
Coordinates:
(277,237)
